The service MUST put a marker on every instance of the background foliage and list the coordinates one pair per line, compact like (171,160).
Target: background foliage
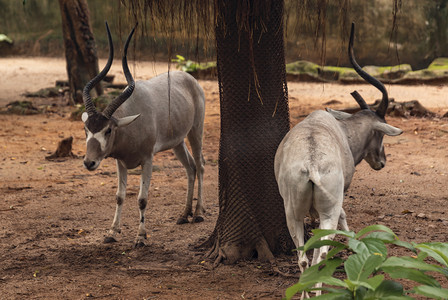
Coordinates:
(422,33)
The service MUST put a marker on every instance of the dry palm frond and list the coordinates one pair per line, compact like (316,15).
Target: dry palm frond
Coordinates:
(194,21)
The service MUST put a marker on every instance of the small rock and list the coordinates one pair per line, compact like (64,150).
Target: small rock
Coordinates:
(421,216)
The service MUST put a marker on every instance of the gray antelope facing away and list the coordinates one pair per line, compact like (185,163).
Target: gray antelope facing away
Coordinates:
(146,118)
(315,162)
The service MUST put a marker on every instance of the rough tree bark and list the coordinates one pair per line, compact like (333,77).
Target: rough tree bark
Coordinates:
(254,119)
(80,50)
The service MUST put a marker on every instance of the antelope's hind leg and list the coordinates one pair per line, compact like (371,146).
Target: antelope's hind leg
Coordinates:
(187,161)
(195,139)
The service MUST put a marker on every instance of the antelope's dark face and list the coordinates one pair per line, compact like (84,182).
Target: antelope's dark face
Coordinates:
(100,137)
(376,158)
(375,155)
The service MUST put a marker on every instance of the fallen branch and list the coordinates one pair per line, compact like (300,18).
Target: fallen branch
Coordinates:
(400,109)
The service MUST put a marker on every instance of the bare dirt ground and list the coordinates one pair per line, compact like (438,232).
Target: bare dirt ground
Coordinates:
(54,214)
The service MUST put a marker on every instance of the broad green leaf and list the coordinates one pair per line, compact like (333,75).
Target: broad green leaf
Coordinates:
(360,266)
(368,246)
(375,281)
(350,284)
(319,233)
(335,295)
(383,236)
(431,292)
(438,251)
(404,297)
(386,289)
(336,250)
(320,243)
(409,262)
(333,281)
(296,288)
(411,274)
(313,275)
(376,227)
(370,295)
(357,284)
(405,245)
(359,293)
(323,269)
(421,256)
(390,238)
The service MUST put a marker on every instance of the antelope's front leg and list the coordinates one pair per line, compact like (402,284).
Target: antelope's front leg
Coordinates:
(145,181)
(115,230)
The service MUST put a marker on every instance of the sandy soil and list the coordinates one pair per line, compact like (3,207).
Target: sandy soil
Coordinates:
(53,215)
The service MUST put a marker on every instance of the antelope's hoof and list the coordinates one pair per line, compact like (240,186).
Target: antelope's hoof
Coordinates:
(109,240)
(197,219)
(182,220)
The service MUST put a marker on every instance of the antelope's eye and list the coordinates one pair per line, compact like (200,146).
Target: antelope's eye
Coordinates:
(108,131)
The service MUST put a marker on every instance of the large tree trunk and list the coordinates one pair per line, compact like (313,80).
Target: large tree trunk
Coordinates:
(80,51)
(254,119)
(442,29)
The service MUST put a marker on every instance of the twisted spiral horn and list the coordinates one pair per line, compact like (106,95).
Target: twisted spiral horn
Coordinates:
(115,104)
(382,108)
(90,106)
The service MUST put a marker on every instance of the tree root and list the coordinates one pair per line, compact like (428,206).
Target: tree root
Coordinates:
(276,270)
(217,254)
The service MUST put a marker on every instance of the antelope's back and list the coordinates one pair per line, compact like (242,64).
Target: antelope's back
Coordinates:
(318,143)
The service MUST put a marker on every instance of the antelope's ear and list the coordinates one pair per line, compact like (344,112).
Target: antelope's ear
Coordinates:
(387,129)
(127,120)
(337,114)
(84,116)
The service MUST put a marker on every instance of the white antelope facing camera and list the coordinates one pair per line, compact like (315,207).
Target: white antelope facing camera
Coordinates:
(316,160)
(146,118)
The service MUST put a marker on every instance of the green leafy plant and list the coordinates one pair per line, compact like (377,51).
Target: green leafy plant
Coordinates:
(368,264)
(191,66)
(5,38)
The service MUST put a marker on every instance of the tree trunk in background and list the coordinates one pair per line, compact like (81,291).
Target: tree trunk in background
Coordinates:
(442,28)
(80,51)
(254,119)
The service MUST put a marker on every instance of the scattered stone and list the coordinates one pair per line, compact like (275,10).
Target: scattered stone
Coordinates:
(422,216)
